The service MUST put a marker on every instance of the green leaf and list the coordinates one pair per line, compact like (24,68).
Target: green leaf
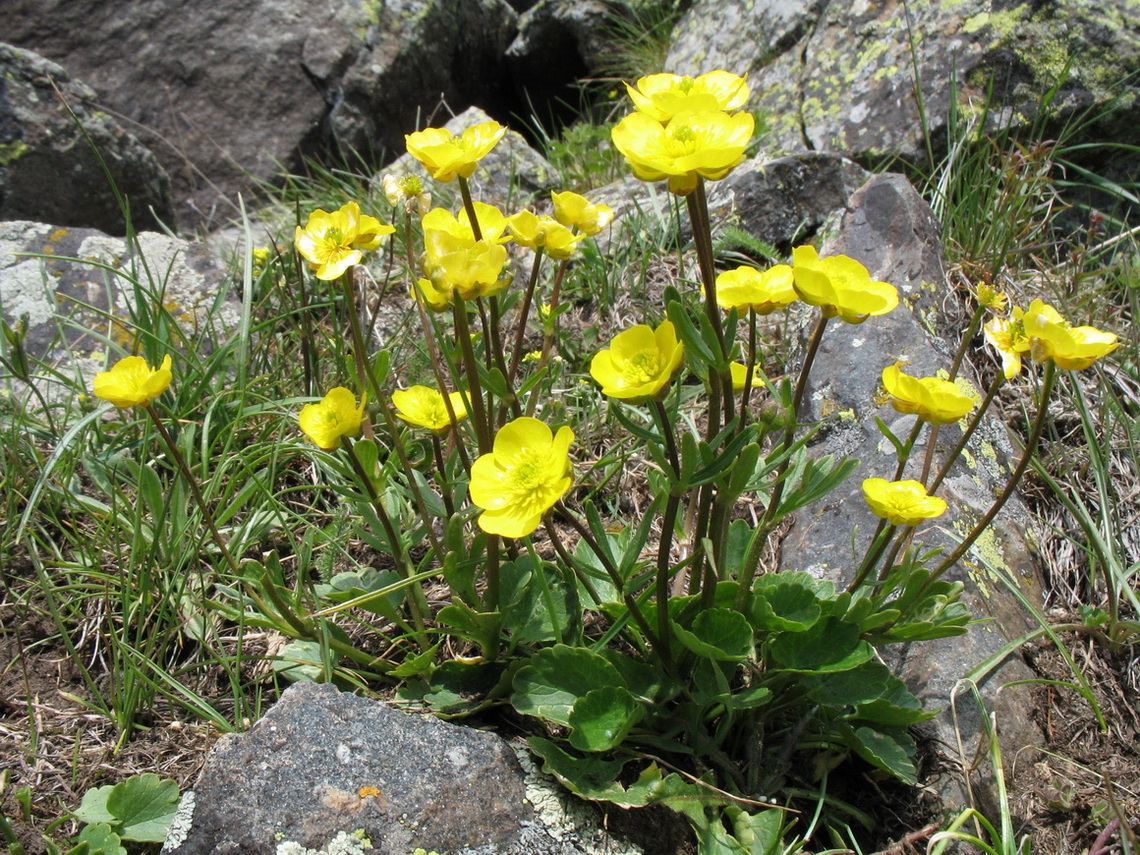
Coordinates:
(300,662)
(869,693)
(456,687)
(830,645)
(721,634)
(588,777)
(349,586)
(603,718)
(890,749)
(101,840)
(526,613)
(93,807)
(784,604)
(557,677)
(144,806)
(481,628)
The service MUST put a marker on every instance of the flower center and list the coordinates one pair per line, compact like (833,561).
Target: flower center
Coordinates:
(641,368)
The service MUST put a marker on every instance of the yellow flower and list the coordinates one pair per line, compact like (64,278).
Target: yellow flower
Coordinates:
(406,192)
(467,270)
(520,479)
(531,230)
(693,145)
(445,155)
(930,398)
(901,502)
(334,418)
(434,298)
(1071,348)
(422,406)
(663,96)
(739,374)
(1008,338)
(492,223)
(640,363)
(747,288)
(575,211)
(333,242)
(131,382)
(840,285)
(992,298)
(456,262)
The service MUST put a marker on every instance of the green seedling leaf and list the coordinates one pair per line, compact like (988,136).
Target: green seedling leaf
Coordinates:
(830,645)
(144,806)
(101,840)
(481,628)
(721,634)
(456,687)
(93,808)
(557,677)
(603,718)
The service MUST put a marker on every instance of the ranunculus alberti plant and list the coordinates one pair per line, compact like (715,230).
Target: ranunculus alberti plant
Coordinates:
(613,589)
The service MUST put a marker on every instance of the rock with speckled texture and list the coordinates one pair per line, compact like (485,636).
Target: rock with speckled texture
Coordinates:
(49,170)
(324,766)
(74,291)
(840,76)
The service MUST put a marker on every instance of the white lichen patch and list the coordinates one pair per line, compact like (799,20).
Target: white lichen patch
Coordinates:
(180,827)
(25,291)
(343,844)
(564,816)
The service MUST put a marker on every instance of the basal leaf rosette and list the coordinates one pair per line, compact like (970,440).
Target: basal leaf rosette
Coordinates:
(520,479)
(334,241)
(761,291)
(639,364)
(578,212)
(424,407)
(535,232)
(663,96)
(693,145)
(901,502)
(1071,348)
(131,382)
(840,286)
(930,398)
(445,155)
(336,416)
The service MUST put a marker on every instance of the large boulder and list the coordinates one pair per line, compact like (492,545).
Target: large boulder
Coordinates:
(840,76)
(59,154)
(228,93)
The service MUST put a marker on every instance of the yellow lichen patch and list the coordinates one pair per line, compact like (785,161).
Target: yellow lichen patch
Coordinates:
(971,461)
(368,792)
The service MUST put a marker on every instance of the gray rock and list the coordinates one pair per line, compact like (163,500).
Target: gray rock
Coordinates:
(228,93)
(891,230)
(421,57)
(558,42)
(778,201)
(840,77)
(783,200)
(225,92)
(322,765)
(75,290)
(512,176)
(48,169)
